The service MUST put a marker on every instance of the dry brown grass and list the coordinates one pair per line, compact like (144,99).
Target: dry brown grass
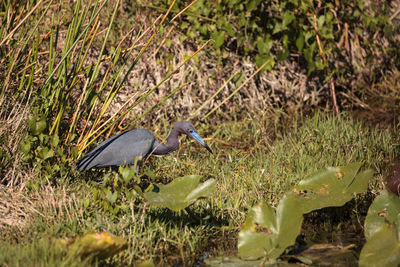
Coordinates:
(15,207)
(52,204)
(12,128)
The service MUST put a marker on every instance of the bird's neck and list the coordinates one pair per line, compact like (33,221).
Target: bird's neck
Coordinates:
(171,145)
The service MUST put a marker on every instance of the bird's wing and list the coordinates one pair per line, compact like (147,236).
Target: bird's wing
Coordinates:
(120,149)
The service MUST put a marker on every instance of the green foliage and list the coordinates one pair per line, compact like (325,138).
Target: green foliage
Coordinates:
(274,29)
(44,152)
(57,79)
(180,193)
(382,231)
(266,234)
(177,195)
(333,187)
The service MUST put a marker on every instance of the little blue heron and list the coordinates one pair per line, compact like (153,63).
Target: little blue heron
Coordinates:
(123,148)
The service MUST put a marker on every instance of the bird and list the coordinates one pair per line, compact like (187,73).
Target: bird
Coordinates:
(123,148)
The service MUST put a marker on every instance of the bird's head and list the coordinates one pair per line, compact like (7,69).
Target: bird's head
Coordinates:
(185,127)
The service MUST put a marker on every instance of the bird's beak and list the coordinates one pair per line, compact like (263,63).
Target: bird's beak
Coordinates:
(197,137)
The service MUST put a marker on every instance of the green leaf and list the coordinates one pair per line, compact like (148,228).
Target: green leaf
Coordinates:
(219,38)
(321,21)
(266,233)
(261,59)
(329,16)
(288,17)
(111,197)
(300,42)
(283,54)
(332,187)
(36,125)
(278,28)
(26,146)
(385,208)
(264,45)
(229,29)
(382,231)
(180,193)
(45,153)
(54,140)
(290,218)
(127,173)
(252,4)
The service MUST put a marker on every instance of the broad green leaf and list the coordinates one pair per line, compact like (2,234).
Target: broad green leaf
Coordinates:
(332,187)
(383,248)
(265,233)
(180,193)
(259,233)
(382,231)
(289,220)
(385,208)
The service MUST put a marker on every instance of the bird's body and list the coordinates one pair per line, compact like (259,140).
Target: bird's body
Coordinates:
(123,148)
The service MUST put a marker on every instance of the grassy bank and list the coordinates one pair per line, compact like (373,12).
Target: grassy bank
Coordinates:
(254,162)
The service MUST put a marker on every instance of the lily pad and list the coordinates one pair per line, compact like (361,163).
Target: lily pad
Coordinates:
(180,193)
(332,187)
(265,233)
(382,231)
(386,207)
(97,245)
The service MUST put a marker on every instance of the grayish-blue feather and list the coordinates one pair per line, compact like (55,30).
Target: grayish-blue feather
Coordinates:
(123,148)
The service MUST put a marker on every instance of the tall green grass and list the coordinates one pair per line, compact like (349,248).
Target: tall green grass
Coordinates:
(51,76)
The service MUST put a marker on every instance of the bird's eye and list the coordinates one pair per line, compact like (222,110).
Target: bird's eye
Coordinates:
(190,131)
